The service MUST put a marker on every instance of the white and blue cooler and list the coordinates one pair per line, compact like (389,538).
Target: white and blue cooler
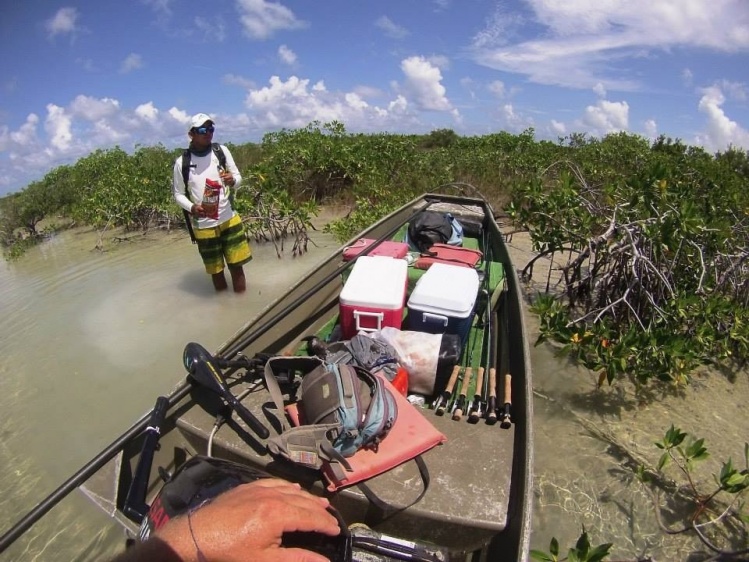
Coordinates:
(443,300)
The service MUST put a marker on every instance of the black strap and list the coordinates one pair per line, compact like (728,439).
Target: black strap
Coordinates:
(186,156)
(379,509)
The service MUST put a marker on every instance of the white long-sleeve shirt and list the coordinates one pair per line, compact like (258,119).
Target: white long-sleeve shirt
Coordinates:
(204,179)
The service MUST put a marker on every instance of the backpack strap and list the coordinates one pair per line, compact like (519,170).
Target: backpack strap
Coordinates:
(221,156)
(379,509)
(219,152)
(309,445)
(186,157)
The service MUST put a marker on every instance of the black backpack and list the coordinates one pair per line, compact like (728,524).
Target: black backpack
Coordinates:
(429,228)
(186,159)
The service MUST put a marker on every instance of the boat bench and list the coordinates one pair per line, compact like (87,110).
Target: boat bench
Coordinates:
(466,503)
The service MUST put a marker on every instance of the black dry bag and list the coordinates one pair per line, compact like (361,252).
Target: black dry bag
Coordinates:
(428,228)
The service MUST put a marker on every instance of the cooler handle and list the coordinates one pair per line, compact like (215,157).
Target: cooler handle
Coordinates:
(439,317)
(379,316)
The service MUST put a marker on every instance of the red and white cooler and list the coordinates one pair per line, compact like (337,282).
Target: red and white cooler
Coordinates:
(373,295)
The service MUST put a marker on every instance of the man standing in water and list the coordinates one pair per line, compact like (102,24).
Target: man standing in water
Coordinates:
(218,228)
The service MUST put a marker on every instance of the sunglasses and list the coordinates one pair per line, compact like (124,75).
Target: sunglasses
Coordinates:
(204,130)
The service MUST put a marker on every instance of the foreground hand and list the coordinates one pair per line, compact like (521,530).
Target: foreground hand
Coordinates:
(247,523)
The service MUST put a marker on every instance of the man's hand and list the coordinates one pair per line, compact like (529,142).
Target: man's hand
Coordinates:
(227,177)
(247,523)
(197,210)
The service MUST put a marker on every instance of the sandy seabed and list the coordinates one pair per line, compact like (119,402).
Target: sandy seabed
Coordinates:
(588,441)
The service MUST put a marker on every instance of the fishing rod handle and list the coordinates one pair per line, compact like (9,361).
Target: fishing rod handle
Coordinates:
(479,383)
(491,408)
(453,380)
(475,410)
(458,413)
(445,397)
(466,381)
(506,413)
(508,389)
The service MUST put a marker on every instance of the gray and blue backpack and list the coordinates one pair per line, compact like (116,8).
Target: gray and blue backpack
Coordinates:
(342,408)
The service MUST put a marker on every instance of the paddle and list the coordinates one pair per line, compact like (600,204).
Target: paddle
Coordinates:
(204,370)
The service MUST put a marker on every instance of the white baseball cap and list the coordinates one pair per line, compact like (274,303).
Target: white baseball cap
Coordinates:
(198,119)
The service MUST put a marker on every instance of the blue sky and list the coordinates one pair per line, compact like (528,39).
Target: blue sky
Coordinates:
(81,75)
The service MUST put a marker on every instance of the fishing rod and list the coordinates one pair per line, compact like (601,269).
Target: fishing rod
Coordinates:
(477,407)
(440,405)
(460,402)
(505,411)
(491,404)
(479,397)
(474,414)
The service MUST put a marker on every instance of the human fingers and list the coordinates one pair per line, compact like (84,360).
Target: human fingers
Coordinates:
(308,518)
(289,508)
(300,555)
(289,489)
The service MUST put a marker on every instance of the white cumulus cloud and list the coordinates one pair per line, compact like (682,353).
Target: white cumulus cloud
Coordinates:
(26,134)
(93,109)
(58,127)
(64,22)
(132,62)
(147,112)
(286,55)
(606,117)
(261,19)
(296,102)
(720,131)
(423,84)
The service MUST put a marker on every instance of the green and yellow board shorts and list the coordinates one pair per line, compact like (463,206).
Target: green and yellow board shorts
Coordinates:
(226,241)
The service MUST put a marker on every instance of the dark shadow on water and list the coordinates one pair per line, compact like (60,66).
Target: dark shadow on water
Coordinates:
(606,403)
(197,283)
(614,401)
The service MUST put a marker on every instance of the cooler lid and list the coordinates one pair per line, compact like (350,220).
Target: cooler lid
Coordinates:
(376,282)
(446,289)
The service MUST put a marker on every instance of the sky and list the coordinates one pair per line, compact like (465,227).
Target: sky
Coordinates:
(76,76)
